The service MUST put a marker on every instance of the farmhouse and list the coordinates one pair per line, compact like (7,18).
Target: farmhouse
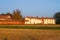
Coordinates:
(37,20)
(5,17)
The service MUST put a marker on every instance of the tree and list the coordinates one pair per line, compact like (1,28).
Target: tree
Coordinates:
(17,15)
(57,17)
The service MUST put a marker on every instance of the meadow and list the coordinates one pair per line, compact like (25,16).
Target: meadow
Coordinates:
(32,32)
(32,26)
(29,34)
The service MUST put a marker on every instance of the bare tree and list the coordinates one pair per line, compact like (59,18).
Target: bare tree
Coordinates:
(17,15)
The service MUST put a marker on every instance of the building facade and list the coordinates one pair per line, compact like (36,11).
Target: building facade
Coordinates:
(42,20)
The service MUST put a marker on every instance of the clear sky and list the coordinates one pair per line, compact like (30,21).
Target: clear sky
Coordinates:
(31,7)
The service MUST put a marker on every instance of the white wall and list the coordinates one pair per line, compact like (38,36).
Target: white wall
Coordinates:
(49,21)
(33,21)
(27,22)
(39,21)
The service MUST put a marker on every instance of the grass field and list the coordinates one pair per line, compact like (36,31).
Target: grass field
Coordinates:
(32,26)
(29,34)
(32,32)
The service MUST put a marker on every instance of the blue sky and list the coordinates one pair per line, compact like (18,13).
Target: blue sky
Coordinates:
(31,7)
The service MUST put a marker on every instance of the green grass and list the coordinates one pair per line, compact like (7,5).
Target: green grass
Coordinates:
(29,27)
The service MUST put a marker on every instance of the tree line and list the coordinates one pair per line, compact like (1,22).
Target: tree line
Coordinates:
(16,15)
(56,16)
